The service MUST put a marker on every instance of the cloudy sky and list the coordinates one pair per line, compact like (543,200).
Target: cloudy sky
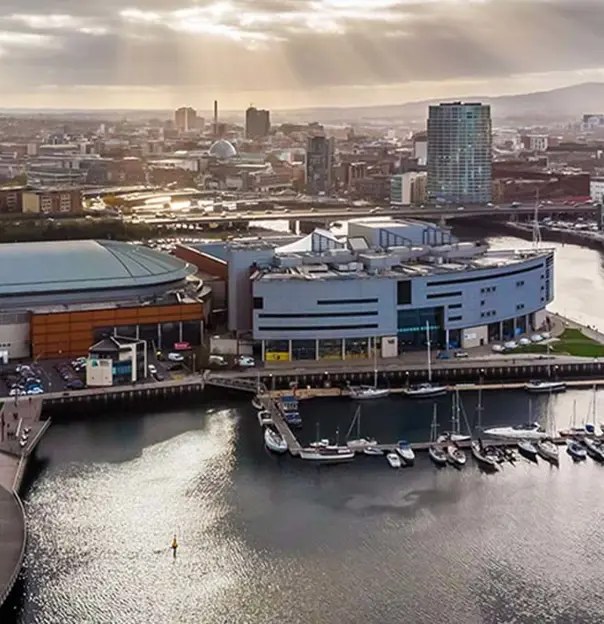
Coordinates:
(290,53)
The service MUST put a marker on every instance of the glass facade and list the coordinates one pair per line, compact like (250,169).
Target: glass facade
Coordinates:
(191,332)
(412,328)
(494,330)
(304,349)
(356,348)
(330,349)
(170,334)
(149,333)
(127,331)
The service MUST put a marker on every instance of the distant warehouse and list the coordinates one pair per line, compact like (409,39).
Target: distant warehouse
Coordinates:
(328,297)
(58,298)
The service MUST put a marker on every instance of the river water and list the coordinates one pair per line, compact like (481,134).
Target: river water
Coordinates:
(266,539)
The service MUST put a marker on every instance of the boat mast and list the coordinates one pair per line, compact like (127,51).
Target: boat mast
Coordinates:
(479,409)
(375,375)
(428,349)
(457,418)
(434,424)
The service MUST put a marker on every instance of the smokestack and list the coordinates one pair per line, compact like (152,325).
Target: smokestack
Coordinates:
(215,115)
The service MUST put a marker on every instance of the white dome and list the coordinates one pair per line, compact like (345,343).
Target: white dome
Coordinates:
(223,150)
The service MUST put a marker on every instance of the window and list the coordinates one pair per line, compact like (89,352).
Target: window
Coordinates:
(258,303)
(345,301)
(483,277)
(442,295)
(520,306)
(455,306)
(482,302)
(403,292)
(312,328)
(317,315)
(520,283)
(455,318)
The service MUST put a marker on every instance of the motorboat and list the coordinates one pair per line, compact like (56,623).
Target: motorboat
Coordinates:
(528,431)
(528,449)
(456,456)
(437,455)
(548,450)
(364,393)
(373,450)
(327,454)
(593,448)
(361,444)
(453,437)
(264,418)
(485,460)
(573,432)
(394,460)
(495,452)
(545,386)
(425,391)
(257,403)
(576,450)
(288,406)
(323,443)
(274,441)
(406,452)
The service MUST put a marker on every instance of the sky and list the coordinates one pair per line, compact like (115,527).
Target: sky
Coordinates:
(280,54)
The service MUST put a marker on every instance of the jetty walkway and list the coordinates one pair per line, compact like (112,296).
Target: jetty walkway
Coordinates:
(20,431)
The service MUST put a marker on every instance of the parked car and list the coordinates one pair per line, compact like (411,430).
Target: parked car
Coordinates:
(461,354)
(217,361)
(497,348)
(524,341)
(246,361)
(152,369)
(536,338)
(510,345)
(443,355)
(176,357)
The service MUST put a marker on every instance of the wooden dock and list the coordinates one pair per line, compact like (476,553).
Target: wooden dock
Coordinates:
(282,427)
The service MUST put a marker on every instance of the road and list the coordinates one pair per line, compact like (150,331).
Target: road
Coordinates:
(322,213)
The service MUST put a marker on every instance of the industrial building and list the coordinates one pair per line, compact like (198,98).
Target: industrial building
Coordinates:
(58,298)
(326,297)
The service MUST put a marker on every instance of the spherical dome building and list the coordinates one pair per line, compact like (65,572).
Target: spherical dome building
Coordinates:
(222,150)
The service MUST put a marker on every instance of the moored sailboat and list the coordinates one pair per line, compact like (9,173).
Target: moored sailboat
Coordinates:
(359,443)
(364,392)
(435,450)
(274,441)
(426,390)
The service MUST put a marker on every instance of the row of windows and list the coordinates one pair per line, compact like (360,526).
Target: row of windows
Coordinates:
(345,301)
(488,289)
(467,280)
(317,315)
(489,313)
(442,295)
(295,328)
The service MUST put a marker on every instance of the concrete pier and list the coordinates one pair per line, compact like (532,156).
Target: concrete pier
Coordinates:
(16,417)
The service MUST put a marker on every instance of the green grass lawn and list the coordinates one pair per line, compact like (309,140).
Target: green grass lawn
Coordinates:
(571,342)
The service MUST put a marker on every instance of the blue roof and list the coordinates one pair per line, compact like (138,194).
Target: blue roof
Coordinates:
(27,268)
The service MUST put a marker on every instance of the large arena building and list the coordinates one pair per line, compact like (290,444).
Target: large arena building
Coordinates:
(326,297)
(58,298)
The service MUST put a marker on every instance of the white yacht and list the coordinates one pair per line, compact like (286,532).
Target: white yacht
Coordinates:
(327,454)
(529,431)
(372,450)
(575,450)
(364,393)
(545,386)
(394,460)
(274,442)
(548,450)
(435,451)
(359,443)
(426,390)
(528,449)
(456,456)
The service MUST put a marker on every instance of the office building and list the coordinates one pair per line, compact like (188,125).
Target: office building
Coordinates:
(185,119)
(408,188)
(322,297)
(52,201)
(459,154)
(319,165)
(257,123)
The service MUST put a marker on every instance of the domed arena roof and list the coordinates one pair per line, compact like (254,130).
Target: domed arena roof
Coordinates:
(84,265)
(222,149)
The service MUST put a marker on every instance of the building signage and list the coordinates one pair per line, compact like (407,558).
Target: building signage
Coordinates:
(181,346)
(276,356)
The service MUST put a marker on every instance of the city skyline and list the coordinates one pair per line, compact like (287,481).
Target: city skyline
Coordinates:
(281,54)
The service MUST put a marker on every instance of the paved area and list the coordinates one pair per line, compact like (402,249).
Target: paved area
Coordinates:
(12,541)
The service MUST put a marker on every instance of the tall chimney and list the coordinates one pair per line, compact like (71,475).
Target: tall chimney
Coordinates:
(215,117)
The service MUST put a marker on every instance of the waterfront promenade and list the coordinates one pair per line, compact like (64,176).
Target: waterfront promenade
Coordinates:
(20,431)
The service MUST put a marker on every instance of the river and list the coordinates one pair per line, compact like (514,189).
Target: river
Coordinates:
(272,540)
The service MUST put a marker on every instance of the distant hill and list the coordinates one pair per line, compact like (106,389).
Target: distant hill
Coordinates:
(563,103)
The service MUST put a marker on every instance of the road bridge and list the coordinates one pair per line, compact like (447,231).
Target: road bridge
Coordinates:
(353,212)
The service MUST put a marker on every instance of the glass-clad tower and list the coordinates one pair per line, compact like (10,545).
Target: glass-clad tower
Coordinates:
(459,154)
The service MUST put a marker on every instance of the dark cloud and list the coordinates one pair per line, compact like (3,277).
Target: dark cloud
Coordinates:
(286,44)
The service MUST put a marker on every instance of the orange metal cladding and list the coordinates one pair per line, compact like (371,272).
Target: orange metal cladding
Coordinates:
(72,333)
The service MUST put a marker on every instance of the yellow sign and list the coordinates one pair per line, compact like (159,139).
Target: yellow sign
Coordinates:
(276,356)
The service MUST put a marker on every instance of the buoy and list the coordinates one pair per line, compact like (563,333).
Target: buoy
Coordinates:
(174,546)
